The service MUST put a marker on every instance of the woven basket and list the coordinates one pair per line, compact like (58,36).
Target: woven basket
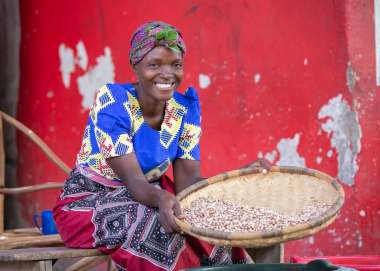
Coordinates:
(283,189)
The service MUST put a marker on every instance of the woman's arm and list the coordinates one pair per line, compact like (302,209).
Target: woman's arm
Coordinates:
(128,170)
(186,172)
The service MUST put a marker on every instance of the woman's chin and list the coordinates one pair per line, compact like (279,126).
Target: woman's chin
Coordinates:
(165,95)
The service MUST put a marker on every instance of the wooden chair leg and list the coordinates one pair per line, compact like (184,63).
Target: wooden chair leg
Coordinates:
(87,263)
(272,254)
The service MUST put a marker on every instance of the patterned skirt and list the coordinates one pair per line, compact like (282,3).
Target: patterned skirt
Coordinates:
(91,215)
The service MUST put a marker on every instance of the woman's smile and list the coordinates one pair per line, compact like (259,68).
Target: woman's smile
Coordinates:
(159,73)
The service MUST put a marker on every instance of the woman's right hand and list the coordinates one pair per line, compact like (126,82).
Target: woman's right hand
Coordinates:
(169,207)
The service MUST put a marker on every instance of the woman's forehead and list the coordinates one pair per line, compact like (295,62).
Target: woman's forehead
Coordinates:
(163,53)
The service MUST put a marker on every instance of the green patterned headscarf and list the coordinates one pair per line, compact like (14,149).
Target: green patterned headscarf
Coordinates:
(153,34)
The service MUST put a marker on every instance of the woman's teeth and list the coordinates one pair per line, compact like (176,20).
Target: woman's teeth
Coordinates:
(164,86)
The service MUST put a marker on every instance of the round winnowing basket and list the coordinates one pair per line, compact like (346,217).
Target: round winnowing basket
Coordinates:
(286,190)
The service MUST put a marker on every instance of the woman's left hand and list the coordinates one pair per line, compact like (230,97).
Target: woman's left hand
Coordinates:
(260,163)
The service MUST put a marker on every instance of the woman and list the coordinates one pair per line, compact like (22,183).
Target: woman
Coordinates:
(118,199)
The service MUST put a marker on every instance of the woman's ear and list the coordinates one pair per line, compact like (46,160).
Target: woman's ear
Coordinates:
(134,69)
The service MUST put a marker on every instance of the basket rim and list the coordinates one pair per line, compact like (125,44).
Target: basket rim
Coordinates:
(330,213)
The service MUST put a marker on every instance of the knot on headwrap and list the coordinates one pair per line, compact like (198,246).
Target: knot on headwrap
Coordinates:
(151,35)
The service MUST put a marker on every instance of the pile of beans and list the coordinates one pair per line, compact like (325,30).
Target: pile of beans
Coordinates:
(230,217)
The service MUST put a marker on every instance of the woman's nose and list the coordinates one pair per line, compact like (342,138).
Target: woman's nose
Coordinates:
(167,71)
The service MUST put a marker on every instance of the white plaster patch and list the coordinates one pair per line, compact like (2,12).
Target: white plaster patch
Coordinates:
(50,94)
(82,58)
(362,213)
(318,160)
(257,78)
(305,61)
(204,81)
(351,77)
(311,240)
(103,72)
(66,56)
(329,153)
(288,152)
(271,156)
(359,238)
(342,126)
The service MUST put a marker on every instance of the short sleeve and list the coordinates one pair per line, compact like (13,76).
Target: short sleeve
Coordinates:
(112,124)
(188,146)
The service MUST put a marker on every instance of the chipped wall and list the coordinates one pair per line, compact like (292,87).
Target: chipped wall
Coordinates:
(291,81)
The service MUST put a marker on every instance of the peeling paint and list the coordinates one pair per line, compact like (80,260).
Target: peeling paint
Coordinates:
(318,160)
(204,81)
(50,94)
(329,153)
(66,56)
(311,240)
(362,213)
(359,238)
(288,152)
(351,77)
(305,61)
(82,58)
(342,126)
(103,72)
(257,78)
(271,156)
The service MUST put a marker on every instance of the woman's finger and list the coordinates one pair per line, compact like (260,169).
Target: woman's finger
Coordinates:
(177,210)
(164,223)
(173,224)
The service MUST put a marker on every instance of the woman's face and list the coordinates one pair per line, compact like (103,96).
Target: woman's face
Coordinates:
(159,73)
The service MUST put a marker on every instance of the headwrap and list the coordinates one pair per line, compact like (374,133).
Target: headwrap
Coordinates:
(153,34)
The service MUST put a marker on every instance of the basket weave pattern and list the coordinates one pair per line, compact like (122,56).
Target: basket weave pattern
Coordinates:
(285,190)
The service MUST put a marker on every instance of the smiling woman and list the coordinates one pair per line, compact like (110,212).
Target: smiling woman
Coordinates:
(118,198)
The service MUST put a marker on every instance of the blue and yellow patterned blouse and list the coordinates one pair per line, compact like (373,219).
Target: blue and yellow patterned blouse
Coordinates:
(116,127)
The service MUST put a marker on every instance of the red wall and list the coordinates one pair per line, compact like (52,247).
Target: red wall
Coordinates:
(293,81)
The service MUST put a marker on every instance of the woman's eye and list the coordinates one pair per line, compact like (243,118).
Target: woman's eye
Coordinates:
(178,65)
(152,65)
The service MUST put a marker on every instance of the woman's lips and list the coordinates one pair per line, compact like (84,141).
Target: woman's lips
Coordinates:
(164,86)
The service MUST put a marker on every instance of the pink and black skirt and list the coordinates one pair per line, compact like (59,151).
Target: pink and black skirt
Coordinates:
(89,214)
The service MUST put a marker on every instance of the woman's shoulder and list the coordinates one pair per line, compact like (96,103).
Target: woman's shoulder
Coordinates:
(118,92)
(188,99)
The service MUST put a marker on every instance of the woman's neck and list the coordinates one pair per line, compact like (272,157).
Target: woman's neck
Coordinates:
(149,106)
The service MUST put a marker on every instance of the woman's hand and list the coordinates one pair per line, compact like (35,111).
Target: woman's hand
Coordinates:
(128,170)
(260,163)
(169,207)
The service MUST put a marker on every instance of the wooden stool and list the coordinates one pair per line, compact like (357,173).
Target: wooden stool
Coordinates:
(43,258)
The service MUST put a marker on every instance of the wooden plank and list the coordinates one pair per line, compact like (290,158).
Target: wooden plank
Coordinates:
(87,263)
(45,253)
(2,174)
(21,232)
(10,242)
(27,266)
